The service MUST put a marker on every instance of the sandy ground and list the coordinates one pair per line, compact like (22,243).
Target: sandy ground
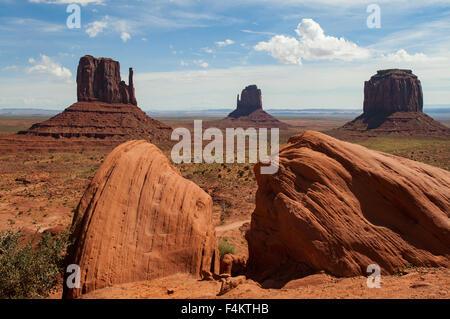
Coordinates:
(427,283)
(231,226)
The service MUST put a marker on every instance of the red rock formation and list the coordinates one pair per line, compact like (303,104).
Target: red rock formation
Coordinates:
(226,263)
(391,91)
(107,110)
(249,113)
(233,265)
(139,220)
(393,105)
(131,87)
(98,79)
(102,120)
(395,124)
(256,119)
(339,207)
(251,100)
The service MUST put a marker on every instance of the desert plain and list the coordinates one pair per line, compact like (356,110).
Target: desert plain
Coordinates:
(41,190)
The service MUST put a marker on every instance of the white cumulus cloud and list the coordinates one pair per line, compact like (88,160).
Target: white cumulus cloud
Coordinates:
(224,43)
(47,66)
(110,24)
(403,56)
(125,36)
(312,44)
(96,27)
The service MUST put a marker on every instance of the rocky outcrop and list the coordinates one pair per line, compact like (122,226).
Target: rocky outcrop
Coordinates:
(98,79)
(395,124)
(251,100)
(393,105)
(100,120)
(391,91)
(338,207)
(230,283)
(139,220)
(249,113)
(106,110)
(233,265)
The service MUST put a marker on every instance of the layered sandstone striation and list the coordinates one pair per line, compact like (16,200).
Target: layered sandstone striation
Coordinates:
(140,220)
(393,105)
(395,124)
(101,120)
(338,207)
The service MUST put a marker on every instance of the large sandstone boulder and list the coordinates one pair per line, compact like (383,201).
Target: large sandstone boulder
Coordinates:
(391,91)
(139,220)
(339,207)
(98,79)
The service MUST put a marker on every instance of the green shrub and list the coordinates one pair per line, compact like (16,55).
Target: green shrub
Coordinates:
(225,247)
(27,271)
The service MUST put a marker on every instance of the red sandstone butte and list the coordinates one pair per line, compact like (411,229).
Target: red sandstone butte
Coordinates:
(251,100)
(249,113)
(393,105)
(391,91)
(106,113)
(98,79)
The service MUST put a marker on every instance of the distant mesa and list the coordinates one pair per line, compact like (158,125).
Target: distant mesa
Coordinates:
(139,219)
(339,207)
(391,91)
(393,105)
(106,109)
(249,112)
(250,101)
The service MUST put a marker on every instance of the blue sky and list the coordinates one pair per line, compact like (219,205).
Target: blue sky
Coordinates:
(196,54)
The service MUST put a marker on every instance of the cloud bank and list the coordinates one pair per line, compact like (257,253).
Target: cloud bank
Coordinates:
(47,66)
(312,44)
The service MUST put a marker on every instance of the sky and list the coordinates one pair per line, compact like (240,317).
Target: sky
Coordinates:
(199,54)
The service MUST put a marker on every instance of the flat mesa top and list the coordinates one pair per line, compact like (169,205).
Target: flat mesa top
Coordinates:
(251,87)
(394,71)
(101,58)
(398,73)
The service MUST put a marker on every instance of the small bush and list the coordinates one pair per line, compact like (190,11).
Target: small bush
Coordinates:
(27,271)
(225,247)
